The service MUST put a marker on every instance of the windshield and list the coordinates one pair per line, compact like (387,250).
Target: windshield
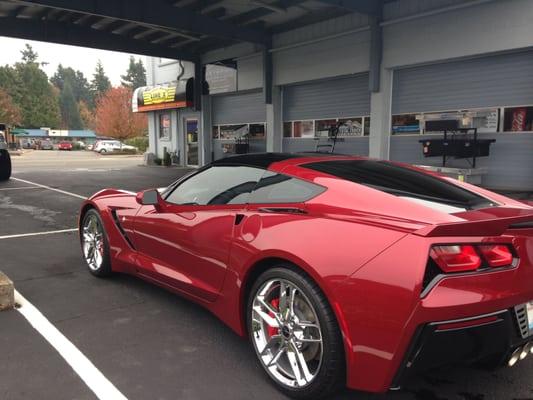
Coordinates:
(404,182)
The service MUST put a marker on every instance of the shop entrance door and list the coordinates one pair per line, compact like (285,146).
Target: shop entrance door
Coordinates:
(191,129)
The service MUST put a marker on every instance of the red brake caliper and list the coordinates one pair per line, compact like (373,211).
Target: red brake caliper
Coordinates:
(271,330)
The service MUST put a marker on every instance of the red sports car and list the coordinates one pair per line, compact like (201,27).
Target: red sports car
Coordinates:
(64,146)
(342,271)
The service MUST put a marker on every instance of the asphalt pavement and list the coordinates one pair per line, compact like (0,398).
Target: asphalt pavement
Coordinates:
(151,344)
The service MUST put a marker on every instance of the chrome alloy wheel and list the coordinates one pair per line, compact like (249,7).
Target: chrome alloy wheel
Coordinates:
(286,333)
(93,242)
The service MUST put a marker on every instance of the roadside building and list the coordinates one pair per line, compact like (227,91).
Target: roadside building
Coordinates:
(440,60)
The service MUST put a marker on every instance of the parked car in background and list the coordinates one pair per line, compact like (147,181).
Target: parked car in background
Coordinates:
(47,145)
(64,146)
(79,144)
(90,146)
(108,146)
(5,160)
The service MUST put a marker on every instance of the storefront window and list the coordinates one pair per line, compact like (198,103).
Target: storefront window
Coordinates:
(405,123)
(215,132)
(287,129)
(323,127)
(233,131)
(164,126)
(304,129)
(350,127)
(518,119)
(257,131)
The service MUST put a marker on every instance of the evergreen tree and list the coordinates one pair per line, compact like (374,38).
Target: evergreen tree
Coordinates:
(70,114)
(79,84)
(29,56)
(100,83)
(135,75)
(28,86)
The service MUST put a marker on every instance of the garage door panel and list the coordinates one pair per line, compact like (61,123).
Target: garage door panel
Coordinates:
(332,98)
(239,108)
(502,80)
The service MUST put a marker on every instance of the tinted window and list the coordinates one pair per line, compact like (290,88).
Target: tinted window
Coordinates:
(278,188)
(401,181)
(217,185)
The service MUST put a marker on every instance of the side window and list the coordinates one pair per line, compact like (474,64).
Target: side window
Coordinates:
(217,185)
(278,188)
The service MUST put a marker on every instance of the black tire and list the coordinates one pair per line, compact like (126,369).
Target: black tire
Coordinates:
(104,270)
(103,151)
(5,165)
(331,376)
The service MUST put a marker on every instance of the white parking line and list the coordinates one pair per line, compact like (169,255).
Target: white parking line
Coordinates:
(19,188)
(87,371)
(79,196)
(21,235)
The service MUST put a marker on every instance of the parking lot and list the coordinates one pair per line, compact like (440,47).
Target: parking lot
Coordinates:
(150,344)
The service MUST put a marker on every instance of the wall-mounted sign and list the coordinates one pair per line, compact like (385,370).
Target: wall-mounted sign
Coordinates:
(221,79)
(162,97)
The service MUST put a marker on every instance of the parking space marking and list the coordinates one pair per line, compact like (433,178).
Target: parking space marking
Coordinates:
(86,370)
(79,196)
(21,235)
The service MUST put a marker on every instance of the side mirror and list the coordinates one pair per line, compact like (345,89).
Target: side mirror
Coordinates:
(150,197)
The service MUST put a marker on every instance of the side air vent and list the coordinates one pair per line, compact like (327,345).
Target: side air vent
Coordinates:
(521,318)
(121,229)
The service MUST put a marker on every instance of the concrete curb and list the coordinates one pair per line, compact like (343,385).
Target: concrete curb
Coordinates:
(7,293)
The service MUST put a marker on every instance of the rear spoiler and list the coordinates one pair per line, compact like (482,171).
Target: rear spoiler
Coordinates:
(488,227)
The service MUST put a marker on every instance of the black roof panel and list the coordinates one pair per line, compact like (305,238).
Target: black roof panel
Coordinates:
(263,160)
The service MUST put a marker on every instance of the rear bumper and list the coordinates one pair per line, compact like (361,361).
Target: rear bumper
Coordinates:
(488,338)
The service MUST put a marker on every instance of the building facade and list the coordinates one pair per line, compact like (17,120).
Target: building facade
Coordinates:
(437,59)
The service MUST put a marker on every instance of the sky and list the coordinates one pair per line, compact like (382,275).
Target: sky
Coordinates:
(78,58)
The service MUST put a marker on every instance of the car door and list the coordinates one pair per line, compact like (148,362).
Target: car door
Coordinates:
(186,242)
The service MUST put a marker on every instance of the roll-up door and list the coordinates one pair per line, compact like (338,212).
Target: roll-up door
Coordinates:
(238,108)
(502,80)
(333,98)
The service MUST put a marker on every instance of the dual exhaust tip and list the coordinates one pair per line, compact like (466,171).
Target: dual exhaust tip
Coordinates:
(520,353)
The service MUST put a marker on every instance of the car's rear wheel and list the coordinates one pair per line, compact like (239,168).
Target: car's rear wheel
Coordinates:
(295,334)
(103,151)
(5,165)
(95,245)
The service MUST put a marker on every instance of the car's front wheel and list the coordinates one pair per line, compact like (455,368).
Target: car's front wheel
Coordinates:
(94,244)
(5,165)
(295,334)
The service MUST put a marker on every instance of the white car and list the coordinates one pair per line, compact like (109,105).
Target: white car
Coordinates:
(109,146)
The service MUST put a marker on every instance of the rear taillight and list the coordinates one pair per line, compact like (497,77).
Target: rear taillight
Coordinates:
(467,257)
(460,258)
(456,258)
(497,255)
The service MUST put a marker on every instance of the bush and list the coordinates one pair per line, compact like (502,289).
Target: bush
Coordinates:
(77,146)
(140,142)
(158,161)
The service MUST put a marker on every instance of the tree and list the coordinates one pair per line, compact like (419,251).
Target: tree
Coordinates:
(79,84)
(9,112)
(31,91)
(87,116)
(100,83)
(70,115)
(135,75)
(115,118)
(29,56)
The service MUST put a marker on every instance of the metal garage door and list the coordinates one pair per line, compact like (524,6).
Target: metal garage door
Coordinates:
(503,80)
(238,108)
(332,98)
